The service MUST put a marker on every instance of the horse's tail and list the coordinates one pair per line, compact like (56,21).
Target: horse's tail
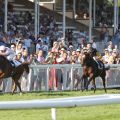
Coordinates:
(107,67)
(26,67)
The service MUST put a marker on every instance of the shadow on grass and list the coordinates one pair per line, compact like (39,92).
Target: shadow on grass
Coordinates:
(53,93)
(66,93)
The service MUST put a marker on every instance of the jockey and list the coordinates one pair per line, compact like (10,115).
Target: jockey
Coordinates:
(95,54)
(10,55)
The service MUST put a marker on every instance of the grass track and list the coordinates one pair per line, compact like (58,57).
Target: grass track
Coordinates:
(101,112)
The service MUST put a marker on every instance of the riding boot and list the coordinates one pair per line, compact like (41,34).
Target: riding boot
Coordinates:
(98,64)
(101,66)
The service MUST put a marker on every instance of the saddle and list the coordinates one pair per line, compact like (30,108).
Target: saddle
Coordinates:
(14,64)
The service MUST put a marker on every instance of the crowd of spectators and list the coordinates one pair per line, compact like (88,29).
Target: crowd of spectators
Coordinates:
(49,46)
(52,49)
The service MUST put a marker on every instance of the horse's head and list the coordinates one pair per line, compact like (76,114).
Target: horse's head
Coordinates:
(85,57)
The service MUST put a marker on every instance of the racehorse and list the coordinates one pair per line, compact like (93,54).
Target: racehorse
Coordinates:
(91,71)
(7,70)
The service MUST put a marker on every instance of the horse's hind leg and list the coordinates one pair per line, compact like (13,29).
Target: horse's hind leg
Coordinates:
(90,79)
(17,84)
(14,87)
(84,81)
(104,83)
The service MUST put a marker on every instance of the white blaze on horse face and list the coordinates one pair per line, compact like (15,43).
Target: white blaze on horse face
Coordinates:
(84,56)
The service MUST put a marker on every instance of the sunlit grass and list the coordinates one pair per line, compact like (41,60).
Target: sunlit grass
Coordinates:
(44,95)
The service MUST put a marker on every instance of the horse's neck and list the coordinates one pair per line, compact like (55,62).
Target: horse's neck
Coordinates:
(89,58)
(88,61)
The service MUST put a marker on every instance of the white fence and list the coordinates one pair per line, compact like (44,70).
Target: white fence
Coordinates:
(62,102)
(66,77)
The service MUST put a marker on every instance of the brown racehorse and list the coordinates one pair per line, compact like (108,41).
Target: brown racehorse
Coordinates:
(7,70)
(91,70)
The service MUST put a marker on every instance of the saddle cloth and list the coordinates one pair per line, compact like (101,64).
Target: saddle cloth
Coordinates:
(100,64)
(15,63)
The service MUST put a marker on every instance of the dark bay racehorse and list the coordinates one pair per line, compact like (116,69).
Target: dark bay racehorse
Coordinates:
(91,71)
(7,70)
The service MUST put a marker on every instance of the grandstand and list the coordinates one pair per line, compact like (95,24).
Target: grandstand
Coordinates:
(79,23)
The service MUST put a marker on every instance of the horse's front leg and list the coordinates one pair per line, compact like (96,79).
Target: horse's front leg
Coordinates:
(94,85)
(14,87)
(84,81)
(89,80)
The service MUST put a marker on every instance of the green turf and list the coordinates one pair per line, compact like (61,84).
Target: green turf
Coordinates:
(101,112)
